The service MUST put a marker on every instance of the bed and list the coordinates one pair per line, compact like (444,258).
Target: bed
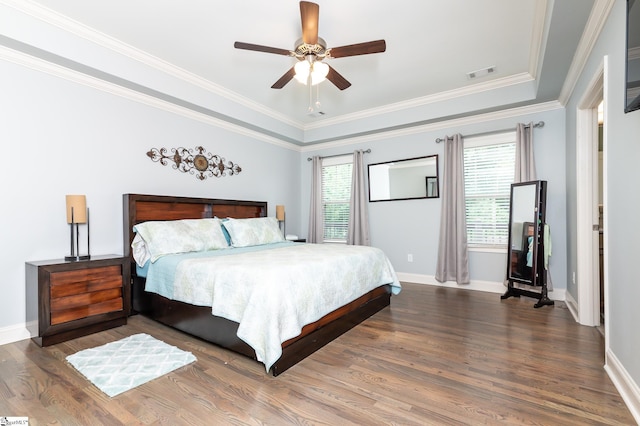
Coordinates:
(199,321)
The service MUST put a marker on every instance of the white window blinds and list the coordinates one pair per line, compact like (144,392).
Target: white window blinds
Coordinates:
(489,165)
(336,193)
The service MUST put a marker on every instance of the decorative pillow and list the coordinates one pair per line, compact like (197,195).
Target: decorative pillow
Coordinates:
(224,230)
(253,232)
(181,236)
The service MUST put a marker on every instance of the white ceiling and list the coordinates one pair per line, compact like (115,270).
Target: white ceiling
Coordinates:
(431,46)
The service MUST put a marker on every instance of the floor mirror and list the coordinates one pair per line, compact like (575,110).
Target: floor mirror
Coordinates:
(526,263)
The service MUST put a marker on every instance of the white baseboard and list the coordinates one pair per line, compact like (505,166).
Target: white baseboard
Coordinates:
(623,382)
(477,285)
(14,333)
(572,305)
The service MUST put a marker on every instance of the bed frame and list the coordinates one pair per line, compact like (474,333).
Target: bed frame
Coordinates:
(198,320)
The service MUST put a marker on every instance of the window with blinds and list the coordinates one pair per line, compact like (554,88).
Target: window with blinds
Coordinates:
(489,167)
(336,192)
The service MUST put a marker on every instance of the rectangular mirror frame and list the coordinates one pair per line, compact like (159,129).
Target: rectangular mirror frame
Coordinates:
(419,179)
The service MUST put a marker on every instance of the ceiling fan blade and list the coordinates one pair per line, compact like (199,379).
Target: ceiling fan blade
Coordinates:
(377,46)
(337,79)
(282,81)
(259,48)
(309,13)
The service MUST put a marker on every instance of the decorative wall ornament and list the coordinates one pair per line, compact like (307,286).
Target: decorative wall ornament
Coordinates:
(196,161)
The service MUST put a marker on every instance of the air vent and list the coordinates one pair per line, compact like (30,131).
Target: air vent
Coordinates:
(316,114)
(481,73)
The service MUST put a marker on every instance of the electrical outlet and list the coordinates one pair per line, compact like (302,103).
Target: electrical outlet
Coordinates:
(409,257)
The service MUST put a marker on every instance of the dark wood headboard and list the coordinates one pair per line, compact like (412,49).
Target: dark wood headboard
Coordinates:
(139,208)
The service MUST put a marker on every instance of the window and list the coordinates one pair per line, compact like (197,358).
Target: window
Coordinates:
(489,169)
(336,193)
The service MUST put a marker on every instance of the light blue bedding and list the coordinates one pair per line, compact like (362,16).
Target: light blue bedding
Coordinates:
(272,291)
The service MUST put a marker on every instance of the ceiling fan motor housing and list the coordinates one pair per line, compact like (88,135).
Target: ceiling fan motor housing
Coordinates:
(303,49)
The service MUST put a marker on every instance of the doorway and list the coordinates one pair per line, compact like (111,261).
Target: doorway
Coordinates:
(591,200)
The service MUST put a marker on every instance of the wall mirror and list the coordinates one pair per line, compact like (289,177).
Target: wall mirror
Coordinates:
(407,179)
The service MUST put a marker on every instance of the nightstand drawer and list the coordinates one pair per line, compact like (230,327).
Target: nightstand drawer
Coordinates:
(86,276)
(69,299)
(84,310)
(75,288)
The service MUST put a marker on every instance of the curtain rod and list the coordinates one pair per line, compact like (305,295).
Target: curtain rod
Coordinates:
(368,151)
(538,124)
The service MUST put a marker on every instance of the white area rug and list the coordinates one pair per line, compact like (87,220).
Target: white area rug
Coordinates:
(124,364)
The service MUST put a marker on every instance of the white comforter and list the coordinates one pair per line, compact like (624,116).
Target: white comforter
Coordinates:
(273,293)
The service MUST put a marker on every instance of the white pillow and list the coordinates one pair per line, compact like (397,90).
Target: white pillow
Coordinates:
(140,251)
(180,236)
(253,232)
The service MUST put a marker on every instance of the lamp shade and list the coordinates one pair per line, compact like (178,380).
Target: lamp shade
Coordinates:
(280,212)
(79,205)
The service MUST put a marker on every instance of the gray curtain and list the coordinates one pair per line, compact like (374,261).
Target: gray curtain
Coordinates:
(525,165)
(453,255)
(316,213)
(358,232)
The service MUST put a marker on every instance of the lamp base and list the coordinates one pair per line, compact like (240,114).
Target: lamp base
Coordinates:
(77,258)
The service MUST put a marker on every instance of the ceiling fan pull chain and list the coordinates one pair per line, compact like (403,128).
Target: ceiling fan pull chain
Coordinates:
(318,97)
(310,109)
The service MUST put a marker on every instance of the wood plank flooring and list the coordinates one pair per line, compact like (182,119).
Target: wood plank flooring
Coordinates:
(437,356)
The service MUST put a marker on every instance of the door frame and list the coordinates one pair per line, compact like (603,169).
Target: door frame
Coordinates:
(587,229)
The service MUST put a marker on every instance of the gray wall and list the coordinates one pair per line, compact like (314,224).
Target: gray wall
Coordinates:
(622,199)
(60,137)
(412,226)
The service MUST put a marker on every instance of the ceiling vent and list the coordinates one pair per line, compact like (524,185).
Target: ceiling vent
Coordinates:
(315,113)
(481,73)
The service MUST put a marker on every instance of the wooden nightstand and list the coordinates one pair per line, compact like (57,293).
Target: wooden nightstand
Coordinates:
(66,300)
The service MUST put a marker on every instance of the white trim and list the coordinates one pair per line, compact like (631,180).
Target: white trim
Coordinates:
(14,333)
(440,125)
(483,248)
(508,136)
(85,32)
(598,17)
(424,100)
(572,305)
(587,262)
(475,285)
(338,159)
(80,30)
(50,68)
(624,383)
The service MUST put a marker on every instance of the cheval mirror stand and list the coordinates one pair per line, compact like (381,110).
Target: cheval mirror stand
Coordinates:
(526,269)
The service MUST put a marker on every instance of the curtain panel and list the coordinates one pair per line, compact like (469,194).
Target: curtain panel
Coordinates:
(358,231)
(316,214)
(453,254)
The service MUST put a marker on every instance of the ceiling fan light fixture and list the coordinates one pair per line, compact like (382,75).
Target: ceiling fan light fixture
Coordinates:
(319,71)
(310,67)
(302,71)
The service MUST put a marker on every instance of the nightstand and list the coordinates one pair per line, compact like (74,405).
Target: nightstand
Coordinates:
(66,299)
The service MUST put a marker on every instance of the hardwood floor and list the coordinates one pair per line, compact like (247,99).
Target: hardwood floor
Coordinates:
(437,356)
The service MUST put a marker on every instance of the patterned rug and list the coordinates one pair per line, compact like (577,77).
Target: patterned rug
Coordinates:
(124,364)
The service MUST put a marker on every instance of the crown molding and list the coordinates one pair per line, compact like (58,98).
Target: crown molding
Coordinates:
(85,32)
(538,36)
(441,125)
(425,100)
(598,17)
(50,68)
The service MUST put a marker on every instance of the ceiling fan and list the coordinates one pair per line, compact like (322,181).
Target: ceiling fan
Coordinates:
(311,50)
